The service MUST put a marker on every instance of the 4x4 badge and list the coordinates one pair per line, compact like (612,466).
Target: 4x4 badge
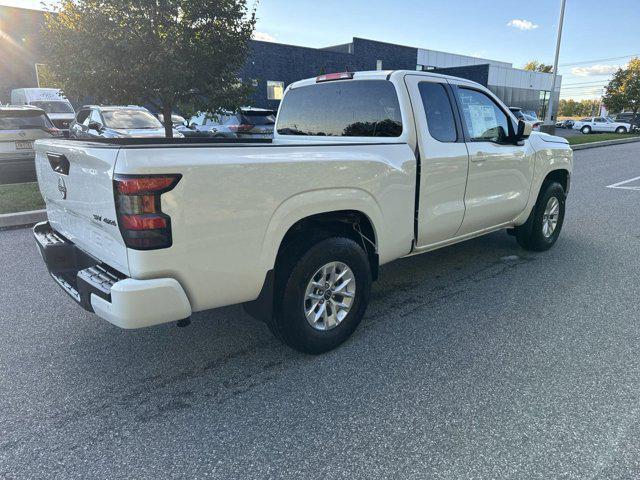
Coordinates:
(62,188)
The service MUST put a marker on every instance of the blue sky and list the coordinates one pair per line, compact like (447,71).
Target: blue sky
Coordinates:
(513,31)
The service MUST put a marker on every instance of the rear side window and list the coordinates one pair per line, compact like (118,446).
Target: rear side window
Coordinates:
(352,108)
(437,106)
(23,120)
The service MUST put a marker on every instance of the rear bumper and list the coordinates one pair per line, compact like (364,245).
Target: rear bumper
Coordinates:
(122,301)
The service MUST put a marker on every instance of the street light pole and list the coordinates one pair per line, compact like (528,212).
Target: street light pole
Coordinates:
(555,64)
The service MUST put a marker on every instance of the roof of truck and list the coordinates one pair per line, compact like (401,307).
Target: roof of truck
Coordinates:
(380,75)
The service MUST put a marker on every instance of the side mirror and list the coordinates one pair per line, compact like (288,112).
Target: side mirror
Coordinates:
(95,126)
(524,130)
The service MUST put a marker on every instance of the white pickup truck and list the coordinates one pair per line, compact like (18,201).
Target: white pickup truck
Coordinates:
(363,169)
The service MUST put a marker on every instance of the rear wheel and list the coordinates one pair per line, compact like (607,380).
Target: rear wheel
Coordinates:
(586,129)
(621,130)
(322,292)
(544,224)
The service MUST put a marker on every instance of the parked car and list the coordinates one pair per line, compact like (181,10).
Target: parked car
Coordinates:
(629,117)
(565,124)
(364,168)
(176,119)
(527,117)
(182,126)
(94,121)
(20,126)
(51,100)
(247,123)
(601,124)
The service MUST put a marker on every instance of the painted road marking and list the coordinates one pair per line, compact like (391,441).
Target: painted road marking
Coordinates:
(625,182)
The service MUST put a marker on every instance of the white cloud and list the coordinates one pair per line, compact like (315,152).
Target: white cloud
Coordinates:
(522,24)
(263,36)
(594,70)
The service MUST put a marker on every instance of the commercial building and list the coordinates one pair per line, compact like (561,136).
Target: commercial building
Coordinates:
(272,66)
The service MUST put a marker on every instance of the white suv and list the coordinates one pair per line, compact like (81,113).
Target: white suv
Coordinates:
(20,126)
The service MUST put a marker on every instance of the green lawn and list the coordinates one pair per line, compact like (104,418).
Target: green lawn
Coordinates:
(598,137)
(20,197)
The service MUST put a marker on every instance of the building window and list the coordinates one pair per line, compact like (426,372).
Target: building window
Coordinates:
(378,64)
(275,90)
(254,82)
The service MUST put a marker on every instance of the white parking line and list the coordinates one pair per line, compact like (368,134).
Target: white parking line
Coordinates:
(624,182)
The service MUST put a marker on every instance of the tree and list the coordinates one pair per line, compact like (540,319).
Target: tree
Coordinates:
(623,91)
(164,53)
(578,108)
(536,66)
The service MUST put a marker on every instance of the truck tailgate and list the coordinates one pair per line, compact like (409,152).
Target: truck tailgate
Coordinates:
(76,182)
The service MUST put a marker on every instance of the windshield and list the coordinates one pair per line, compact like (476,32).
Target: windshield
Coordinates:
(23,121)
(53,106)
(130,119)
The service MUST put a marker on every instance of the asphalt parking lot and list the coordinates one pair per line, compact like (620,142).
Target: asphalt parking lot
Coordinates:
(476,361)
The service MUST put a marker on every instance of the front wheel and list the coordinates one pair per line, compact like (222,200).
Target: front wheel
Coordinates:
(322,292)
(621,130)
(586,129)
(544,224)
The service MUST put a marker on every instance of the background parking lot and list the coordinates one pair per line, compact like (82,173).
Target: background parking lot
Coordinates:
(476,361)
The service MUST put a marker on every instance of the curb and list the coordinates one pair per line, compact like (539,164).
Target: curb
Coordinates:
(22,219)
(604,143)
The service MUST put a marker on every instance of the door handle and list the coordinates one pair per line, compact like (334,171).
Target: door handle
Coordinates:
(59,163)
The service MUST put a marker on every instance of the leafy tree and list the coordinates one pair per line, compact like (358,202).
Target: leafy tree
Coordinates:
(169,54)
(623,91)
(536,66)
(578,108)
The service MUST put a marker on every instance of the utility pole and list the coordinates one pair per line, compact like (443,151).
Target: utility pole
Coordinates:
(550,110)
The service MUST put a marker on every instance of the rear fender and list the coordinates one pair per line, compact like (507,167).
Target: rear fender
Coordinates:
(306,204)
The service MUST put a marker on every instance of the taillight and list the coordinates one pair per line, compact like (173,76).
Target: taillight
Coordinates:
(243,127)
(138,203)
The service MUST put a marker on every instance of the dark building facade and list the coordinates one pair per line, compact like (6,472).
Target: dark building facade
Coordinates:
(271,67)
(275,63)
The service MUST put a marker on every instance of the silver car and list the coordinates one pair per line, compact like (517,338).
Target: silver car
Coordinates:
(95,121)
(247,123)
(20,126)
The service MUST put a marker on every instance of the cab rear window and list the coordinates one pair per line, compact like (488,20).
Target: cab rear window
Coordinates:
(23,120)
(352,108)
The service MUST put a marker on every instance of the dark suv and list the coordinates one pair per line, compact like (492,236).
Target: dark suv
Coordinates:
(247,123)
(629,117)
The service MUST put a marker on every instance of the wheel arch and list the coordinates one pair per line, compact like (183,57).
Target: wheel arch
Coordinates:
(560,175)
(311,212)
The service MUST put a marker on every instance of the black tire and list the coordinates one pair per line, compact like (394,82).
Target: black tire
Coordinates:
(530,236)
(586,129)
(297,265)
(621,130)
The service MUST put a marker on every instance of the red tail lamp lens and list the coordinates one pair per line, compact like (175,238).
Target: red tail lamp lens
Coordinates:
(142,223)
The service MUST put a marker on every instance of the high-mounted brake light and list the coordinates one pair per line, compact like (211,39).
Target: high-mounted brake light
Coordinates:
(138,204)
(334,76)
